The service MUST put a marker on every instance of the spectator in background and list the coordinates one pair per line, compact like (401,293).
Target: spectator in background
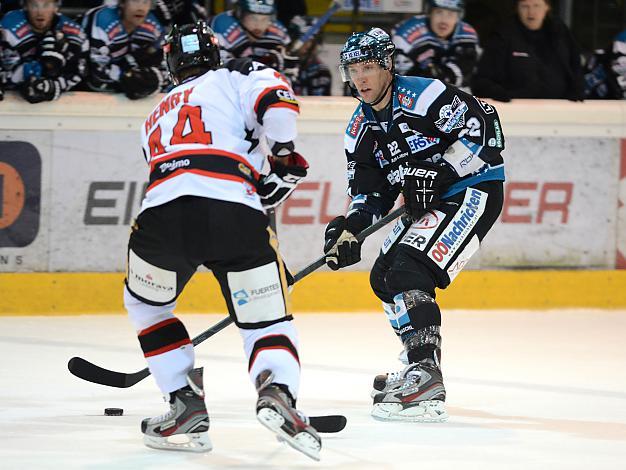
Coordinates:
(126,49)
(618,65)
(251,30)
(437,45)
(171,12)
(43,52)
(532,56)
(314,78)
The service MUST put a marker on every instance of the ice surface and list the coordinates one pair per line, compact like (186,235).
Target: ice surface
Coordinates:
(526,390)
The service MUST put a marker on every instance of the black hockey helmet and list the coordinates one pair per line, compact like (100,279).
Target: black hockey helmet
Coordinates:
(191,46)
(374,45)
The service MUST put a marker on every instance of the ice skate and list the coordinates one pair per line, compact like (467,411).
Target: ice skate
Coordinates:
(185,426)
(414,394)
(275,410)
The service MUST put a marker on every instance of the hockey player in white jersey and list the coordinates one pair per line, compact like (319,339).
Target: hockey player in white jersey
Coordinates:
(204,205)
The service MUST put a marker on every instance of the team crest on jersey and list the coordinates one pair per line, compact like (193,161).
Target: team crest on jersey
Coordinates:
(407,100)
(452,116)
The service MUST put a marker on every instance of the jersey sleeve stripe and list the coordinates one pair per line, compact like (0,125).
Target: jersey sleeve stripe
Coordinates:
(271,97)
(428,96)
(295,108)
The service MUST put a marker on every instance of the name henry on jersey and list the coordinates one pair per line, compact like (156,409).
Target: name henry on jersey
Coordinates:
(164,107)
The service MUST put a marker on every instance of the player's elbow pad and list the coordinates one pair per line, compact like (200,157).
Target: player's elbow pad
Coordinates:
(463,157)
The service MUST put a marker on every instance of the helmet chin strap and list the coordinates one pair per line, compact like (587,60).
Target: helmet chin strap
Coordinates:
(382,95)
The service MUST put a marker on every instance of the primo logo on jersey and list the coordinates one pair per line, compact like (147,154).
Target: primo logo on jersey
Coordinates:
(459,227)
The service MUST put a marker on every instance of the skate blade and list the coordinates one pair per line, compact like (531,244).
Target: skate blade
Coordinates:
(302,442)
(428,411)
(190,442)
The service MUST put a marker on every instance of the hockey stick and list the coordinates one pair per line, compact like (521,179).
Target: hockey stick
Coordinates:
(90,372)
(315,28)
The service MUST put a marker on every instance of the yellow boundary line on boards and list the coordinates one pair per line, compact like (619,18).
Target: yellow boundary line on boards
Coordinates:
(92,293)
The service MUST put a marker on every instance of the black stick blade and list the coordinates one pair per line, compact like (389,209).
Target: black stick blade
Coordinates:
(85,370)
(328,423)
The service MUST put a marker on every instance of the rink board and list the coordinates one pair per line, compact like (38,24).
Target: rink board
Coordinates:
(72,178)
(94,293)
(561,205)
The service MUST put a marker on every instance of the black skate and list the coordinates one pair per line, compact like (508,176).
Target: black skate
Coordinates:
(185,426)
(275,409)
(415,394)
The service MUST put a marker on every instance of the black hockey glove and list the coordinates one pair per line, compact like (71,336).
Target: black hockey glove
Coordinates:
(424,183)
(41,89)
(139,82)
(52,54)
(283,178)
(341,246)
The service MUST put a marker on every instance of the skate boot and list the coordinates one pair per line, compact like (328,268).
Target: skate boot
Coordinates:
(185,426)
(275,409)
(414,394)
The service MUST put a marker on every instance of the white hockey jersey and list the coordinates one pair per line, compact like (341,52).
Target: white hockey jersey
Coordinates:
(203,138)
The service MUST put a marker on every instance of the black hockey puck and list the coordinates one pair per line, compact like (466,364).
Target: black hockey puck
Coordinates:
(113,412)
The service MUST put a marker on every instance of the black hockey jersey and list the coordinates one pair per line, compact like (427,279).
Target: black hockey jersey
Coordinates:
(426,118)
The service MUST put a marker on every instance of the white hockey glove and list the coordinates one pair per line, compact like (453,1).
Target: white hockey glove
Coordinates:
(285,174)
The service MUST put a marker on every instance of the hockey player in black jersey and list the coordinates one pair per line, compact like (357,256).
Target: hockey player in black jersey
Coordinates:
(441,148)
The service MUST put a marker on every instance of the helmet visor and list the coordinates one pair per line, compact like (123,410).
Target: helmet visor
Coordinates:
(352,73)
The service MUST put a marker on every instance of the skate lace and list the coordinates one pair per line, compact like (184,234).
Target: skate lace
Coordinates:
(165,416)
(408,376)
